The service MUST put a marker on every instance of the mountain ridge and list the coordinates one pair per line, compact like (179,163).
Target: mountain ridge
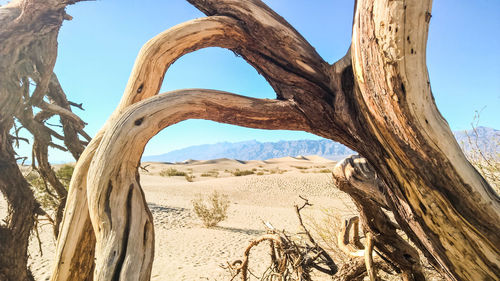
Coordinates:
(487,139)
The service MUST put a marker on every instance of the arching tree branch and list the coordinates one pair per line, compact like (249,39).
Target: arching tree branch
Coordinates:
(146,78)
(376,100)
(113,174)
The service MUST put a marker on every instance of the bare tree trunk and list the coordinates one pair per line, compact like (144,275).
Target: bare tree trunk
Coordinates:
(376,100)
(439,199)
(28,50)
(14,236)
(75,249)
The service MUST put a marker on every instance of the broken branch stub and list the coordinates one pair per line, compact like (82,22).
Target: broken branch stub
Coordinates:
(355,176)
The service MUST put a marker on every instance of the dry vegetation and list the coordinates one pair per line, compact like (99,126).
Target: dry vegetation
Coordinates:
(44,192)
(292,256)
(211,173)
(485,159)
(238,173)
(172,172)
(211,210)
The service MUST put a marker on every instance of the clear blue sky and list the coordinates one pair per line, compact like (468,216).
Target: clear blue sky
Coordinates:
(98,47)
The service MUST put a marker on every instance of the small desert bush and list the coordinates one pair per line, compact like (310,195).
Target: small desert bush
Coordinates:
(260,173)
(324,171)
(301,167)
(327,228)
(211,210)
(189,177)
(239,173)
(212,173)
(171,172)
(488,166)
(277,171)
(64,174)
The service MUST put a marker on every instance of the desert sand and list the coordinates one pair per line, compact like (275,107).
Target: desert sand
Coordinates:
(184,249)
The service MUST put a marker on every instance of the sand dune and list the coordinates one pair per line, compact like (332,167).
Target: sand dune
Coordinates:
(221,161)
(185,250)
(317,159)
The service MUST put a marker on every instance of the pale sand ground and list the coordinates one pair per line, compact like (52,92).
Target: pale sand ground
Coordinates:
(184,249)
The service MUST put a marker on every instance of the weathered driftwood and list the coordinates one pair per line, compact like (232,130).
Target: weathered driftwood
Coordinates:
(124,232)
(376,100)
(372,272)
(361,260)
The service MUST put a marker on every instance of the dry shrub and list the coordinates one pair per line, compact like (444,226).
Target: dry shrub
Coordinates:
(189,177)
(277,170)
(239,173)
(211,210)
(327,229)
(171,172)
(44,192)
(326,171)
(485,159)
(293,256)
(211,173)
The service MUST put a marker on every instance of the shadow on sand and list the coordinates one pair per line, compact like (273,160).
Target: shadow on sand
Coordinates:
(163,209)
(241,230)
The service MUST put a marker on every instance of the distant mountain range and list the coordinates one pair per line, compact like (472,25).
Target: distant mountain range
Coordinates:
(483,138)
(487,138)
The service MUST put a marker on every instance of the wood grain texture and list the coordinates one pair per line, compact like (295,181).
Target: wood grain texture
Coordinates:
(120,217)
(355,176)
(145,80)
(440,200)
(376,100)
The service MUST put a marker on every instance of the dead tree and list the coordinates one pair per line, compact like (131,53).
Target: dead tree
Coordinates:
(376,100)
(28,50)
